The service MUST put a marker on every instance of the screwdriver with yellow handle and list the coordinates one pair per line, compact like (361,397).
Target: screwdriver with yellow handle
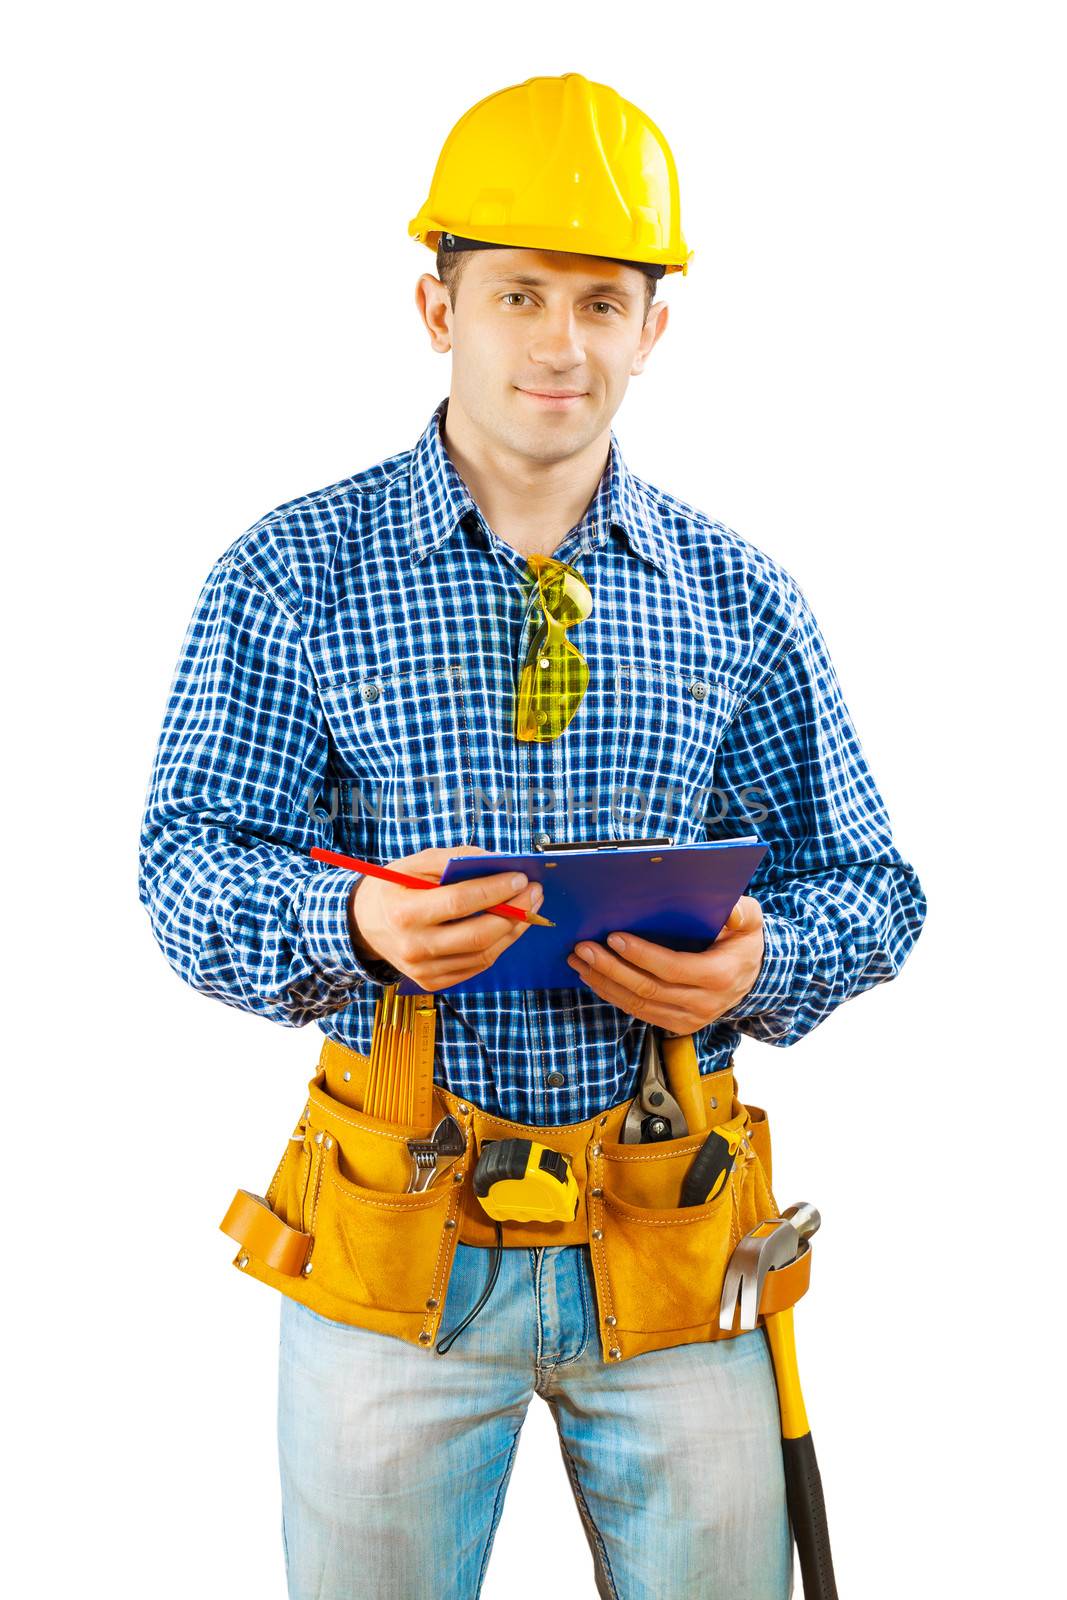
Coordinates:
(710,1169)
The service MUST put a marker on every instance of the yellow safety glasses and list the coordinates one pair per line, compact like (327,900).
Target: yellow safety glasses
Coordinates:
(554,677)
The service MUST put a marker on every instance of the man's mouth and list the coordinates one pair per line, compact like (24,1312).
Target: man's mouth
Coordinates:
(554,399)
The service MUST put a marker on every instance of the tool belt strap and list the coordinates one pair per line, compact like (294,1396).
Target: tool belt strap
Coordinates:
(336,1095)
(252,1224)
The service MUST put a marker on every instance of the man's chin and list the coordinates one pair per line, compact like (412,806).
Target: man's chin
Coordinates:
(548,421)
(539,442)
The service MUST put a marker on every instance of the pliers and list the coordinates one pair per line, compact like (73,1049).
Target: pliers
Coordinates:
(654,1113)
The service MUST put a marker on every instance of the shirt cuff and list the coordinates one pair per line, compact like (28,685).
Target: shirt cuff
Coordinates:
(775,980)
(324,919)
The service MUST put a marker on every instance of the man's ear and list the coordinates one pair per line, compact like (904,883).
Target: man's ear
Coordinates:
(435,309)
(655,325)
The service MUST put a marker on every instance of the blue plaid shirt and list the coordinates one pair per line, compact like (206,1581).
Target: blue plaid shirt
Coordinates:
(348,680)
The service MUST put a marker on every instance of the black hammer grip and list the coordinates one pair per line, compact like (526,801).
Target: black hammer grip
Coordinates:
(807,1513)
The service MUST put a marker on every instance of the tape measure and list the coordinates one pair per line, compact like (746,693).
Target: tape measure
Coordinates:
(519,1180)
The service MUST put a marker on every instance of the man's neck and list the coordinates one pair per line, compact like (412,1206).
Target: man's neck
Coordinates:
(530,505)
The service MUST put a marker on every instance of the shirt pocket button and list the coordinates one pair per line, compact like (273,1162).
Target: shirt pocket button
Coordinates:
(698,688)
(371,691)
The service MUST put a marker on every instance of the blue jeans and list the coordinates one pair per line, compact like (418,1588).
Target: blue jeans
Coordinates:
(395,1461)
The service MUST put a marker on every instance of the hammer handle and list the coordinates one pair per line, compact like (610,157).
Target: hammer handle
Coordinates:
(683,1078)
(807,1513)
(803,1483)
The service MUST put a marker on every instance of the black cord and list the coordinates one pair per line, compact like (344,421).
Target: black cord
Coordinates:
(448,1340)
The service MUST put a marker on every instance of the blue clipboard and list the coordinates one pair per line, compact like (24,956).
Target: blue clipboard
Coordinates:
(678,895)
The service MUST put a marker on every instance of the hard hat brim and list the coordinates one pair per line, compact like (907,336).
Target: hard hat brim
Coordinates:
(430,231)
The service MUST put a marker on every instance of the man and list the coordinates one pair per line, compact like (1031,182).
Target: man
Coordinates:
(363,643)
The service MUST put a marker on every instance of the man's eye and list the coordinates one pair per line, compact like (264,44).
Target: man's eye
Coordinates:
(513,295)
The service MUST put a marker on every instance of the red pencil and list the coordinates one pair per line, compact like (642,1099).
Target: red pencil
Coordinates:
(372,870)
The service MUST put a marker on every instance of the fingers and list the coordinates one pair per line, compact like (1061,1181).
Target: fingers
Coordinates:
(745,917)
(531,899)
(448,933)
(450,902)
(614,978)
(638,957)
(484,936)
(459,951)
(467,899)
(649,971)
(431,863)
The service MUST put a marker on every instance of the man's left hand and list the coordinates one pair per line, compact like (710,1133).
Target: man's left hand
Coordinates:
(679,991)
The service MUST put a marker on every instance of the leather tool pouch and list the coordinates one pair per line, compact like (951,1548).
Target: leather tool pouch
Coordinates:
(659,1266)
(337,1231)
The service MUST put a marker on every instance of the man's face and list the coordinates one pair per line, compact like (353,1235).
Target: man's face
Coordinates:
(531,324)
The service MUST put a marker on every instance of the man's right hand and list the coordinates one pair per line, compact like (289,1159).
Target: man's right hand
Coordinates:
(416,930)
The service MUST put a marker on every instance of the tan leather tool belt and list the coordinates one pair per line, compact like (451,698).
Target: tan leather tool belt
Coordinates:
(337,1231)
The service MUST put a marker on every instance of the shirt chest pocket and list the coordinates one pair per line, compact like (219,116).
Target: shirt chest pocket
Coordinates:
(401,748)
(670,720)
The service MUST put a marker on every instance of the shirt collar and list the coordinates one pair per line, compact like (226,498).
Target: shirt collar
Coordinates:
(440,500)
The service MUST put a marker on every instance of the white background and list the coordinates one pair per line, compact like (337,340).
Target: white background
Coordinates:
(210,310)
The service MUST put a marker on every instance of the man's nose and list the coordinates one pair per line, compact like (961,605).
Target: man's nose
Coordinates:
(558,342)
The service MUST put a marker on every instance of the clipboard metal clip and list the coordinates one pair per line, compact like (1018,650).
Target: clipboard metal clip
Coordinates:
(661,841)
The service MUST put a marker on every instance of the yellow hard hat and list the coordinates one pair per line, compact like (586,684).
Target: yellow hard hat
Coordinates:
(558,164)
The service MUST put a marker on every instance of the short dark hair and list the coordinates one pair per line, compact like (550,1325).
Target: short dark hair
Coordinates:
(450,264)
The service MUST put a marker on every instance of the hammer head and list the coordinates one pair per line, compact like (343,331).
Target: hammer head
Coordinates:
(774,1243)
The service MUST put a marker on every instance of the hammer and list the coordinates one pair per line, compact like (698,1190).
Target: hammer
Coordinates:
(777,1243)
